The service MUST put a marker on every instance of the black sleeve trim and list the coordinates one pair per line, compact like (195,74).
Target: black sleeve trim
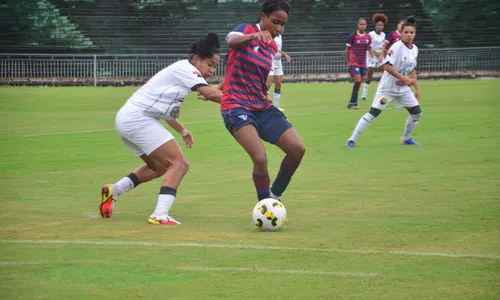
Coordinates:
(194,88)
(388,63)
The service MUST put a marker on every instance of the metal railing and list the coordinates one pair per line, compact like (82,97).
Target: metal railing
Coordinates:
(95,68)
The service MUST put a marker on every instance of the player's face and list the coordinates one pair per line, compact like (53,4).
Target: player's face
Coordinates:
(274,23)
(362,26)
(379,27)
(408,34)
(206,66)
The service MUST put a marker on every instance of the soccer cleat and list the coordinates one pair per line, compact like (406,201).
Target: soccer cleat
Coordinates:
(274,196)
(107,201)
(363,98)
(352,106)
(409,142)
(163,220)
(350,144)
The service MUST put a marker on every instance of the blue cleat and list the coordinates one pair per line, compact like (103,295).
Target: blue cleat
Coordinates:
(409,142)
(350,144)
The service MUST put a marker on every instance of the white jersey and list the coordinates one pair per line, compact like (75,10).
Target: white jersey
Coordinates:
(162,96)
(279,42)
(377,42)
(402,59)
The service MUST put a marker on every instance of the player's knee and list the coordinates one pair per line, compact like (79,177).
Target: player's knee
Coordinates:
(182,165)
(259,160)
(160,170)
(374,112)
(416,110)
(298,150)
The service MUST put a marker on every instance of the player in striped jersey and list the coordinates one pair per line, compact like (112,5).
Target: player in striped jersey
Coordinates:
(248,113)
(358,44)
(137,124)
(375,56)
(393,37)
(399,75)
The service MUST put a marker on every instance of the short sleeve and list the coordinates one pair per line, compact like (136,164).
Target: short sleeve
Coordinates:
(349,40)
(239,30)
(190,77)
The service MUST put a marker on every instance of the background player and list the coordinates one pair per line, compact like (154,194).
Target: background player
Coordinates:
(357,45)
(375,56)
(138,127)
(399,75)
(393,37)
(276,74)
(247,112)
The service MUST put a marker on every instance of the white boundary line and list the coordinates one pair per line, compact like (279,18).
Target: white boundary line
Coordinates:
(252,247)
(18,263)
(279,271)
(185,123)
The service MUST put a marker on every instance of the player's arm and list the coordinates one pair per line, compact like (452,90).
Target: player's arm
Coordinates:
(187,137)
(206,93)
(347,55)
(413,75)
(391,70)
(348,47)
(287,57)
(238,37)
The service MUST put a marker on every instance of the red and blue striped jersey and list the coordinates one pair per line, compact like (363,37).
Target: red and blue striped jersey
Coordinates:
(246,72)
(358,44)
(393,37)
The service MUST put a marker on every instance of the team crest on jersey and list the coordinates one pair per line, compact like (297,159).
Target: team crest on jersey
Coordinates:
(243,117)
(256,49)
(390,52)
(383,100)
(197,73)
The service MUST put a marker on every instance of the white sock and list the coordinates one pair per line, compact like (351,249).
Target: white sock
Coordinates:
(411,124)
(366,86)
(121,187)
(165,201)
(277,99)
(362,124)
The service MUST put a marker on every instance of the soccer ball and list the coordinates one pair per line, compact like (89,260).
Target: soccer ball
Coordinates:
(269,215)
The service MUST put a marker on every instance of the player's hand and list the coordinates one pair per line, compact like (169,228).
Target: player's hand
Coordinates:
(264,36)
(381,57)
(187,137)
(201,97)
(288,58)
(408,81)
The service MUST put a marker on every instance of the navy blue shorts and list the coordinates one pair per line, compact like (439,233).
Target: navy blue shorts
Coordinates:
(270,123)
(355,70)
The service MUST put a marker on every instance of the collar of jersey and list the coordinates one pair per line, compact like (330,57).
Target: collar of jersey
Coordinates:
(362,34)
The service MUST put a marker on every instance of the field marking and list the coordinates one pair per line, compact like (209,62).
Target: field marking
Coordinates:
(184,123)
(253,247)
(279,271)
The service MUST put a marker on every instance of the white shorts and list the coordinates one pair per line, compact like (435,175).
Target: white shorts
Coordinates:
(372,63)
(142,134)
(404,100)
(277,69)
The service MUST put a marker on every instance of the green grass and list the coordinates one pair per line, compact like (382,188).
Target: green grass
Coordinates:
(381,197)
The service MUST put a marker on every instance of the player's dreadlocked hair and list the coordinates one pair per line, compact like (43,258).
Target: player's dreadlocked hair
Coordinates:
(206,47)
(409,21)
(379,18)
(270,6)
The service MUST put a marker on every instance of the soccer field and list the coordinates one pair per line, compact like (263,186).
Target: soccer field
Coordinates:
(380,221)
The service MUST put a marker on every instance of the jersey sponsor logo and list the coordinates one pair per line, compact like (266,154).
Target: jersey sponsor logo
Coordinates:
(243,117)
(383,100)
(256,49)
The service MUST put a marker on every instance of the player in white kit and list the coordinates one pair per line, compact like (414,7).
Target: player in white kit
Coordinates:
(375,56)
(138,126)
(399,75)
(276,73)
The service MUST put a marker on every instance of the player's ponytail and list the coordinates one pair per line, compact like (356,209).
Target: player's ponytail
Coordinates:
(409,21)
(206,47)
